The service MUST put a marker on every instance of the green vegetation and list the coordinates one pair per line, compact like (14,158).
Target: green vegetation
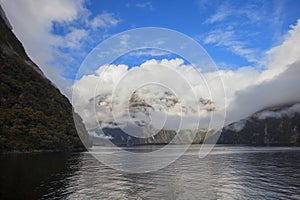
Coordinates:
(34,115)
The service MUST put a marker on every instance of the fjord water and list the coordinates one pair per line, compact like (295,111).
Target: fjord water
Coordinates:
(226,173)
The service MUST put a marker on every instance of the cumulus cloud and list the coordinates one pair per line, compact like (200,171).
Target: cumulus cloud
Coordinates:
(115,85)
(151,92)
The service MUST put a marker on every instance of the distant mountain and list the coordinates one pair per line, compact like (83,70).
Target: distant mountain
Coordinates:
(34,115)
(118,137)
(274,126)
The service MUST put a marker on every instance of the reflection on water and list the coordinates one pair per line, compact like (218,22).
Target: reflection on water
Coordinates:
(227,173)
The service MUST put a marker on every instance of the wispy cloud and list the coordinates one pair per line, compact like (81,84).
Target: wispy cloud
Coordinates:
(221,14)
(250,13)
(149,52)
(75,38)
(104,20)
(228,40)
(146,5)
(236,26)
(141,5)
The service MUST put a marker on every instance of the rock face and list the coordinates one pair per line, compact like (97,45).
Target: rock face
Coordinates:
(34,115)
(275,126)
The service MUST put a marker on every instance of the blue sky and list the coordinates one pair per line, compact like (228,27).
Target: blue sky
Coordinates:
(234,33)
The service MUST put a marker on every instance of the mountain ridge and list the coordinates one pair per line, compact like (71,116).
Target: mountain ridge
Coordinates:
(272,126)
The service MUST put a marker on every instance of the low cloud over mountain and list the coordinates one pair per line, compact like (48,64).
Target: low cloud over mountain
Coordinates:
(178,88)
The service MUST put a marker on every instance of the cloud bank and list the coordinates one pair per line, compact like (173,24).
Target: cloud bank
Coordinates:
(159,93)
(276,85)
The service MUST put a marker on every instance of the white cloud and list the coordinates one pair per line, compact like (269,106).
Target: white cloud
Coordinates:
(108,77)
(278,84)
(280,57)
(280,90)
(32,23)
(118,83)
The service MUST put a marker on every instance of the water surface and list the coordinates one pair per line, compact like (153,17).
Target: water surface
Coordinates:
(227,173)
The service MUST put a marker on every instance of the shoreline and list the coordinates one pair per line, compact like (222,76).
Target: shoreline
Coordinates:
(44,151)
(163,144)
(78,150)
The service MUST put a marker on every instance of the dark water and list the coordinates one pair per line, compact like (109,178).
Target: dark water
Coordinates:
(227,173)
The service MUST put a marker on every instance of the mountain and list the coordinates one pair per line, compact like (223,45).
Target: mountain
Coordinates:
(274,126)
(34,115)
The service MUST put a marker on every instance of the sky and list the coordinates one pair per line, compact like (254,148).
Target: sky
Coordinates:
(59,34)
(254,44)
